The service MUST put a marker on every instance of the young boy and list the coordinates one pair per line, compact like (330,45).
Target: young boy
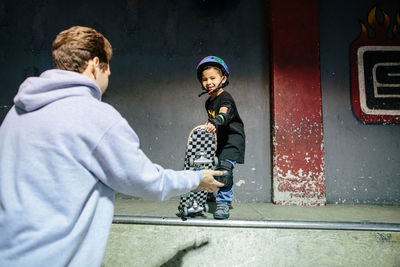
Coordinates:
(223,119)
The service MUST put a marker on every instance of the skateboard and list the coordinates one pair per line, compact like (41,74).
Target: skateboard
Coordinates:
(200,154)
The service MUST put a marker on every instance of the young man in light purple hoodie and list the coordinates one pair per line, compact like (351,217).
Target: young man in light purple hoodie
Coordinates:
(63,155)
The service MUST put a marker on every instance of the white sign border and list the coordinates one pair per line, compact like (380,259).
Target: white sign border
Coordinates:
(361,80)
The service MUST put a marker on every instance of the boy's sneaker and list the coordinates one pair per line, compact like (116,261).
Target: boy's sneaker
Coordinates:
(222,212)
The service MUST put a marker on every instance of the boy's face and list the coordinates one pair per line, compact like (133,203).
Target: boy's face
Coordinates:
(211,78)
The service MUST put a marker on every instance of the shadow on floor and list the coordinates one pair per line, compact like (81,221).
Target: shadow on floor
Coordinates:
(176,260)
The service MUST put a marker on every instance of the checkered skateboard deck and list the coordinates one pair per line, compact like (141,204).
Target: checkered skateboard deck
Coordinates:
(200,154)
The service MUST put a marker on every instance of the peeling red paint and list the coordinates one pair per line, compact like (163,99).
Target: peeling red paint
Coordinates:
(298,167)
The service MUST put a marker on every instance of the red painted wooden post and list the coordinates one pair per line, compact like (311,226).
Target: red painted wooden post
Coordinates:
(297,132)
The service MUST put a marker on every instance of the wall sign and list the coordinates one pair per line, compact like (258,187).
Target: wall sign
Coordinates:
(375,71)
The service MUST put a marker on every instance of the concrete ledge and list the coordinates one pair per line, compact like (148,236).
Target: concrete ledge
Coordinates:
(146,233)
(168,245)
(354,226)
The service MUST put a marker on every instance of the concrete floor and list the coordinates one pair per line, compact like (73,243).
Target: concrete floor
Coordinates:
(180,245)
(268,211)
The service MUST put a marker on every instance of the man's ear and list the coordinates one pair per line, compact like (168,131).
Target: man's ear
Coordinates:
(95,65)
(224,79)
(96,61)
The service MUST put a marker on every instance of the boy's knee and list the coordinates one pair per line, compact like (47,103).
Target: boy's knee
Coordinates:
(227,174)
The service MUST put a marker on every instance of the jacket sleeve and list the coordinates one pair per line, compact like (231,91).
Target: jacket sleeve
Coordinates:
(119,163)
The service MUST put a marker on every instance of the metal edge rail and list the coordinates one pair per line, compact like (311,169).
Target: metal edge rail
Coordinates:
(278,224)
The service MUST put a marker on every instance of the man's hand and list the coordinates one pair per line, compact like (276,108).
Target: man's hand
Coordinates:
(209,183)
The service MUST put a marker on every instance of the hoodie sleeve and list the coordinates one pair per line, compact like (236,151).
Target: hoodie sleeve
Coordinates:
(119,163)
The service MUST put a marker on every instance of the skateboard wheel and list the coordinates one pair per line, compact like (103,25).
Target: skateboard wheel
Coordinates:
(191,162)
(206,208)
(215,161)
(185,211)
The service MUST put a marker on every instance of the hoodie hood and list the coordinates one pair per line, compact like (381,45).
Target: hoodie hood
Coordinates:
(53,85)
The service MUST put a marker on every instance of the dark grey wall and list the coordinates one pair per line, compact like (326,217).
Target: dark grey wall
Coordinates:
(157,45)
(362,161)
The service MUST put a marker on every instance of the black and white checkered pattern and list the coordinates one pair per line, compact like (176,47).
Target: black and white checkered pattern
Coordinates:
(195,195)
(199,141)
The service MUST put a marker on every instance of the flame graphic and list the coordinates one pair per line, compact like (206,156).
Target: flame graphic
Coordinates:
(396,29)
(381,29)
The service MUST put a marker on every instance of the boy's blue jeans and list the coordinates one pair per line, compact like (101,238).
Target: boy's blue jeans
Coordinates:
(225,196)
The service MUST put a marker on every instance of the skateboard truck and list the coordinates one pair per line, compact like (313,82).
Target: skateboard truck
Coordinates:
(194,209)
(202,161)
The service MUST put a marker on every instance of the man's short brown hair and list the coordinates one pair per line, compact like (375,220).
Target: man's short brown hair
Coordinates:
(74,47)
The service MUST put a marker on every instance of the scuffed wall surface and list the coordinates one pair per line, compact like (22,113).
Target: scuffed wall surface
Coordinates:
(153,84)
(298,166)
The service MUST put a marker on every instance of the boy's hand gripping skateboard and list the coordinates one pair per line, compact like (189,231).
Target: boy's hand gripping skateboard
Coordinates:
(200,154)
